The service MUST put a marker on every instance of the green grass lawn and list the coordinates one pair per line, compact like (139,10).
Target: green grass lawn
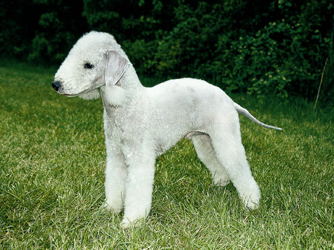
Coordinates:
(52,159)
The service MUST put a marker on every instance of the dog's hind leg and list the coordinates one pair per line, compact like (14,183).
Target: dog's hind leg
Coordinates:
(230,152)
(206,154)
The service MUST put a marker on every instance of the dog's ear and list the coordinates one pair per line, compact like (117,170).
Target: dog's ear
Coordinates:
(116,66)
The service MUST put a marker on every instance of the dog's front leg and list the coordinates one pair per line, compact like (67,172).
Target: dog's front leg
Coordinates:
(139,188)
(116,175)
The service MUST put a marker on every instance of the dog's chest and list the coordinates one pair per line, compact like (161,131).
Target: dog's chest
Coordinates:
(123,125)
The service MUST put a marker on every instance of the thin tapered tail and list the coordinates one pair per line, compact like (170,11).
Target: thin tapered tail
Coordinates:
(245,112)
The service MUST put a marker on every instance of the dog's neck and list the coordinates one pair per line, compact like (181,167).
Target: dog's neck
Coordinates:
(127,90)
(130,82)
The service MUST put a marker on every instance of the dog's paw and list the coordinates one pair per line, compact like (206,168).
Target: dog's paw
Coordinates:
(221,178)
(112,209)
(251,204)
(221,182)
(251,196)
(251,200)
(126,223)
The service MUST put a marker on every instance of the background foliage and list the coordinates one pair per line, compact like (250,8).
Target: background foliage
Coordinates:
(276,47)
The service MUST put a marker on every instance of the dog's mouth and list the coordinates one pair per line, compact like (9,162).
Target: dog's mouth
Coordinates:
(81,94)
(69,95)
(74,95)
(57,86)
(64,93)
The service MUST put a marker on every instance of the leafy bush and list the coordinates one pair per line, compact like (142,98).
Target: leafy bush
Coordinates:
(40,31)
(283,57)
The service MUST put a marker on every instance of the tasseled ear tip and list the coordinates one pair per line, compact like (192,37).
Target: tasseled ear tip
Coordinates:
(115,95)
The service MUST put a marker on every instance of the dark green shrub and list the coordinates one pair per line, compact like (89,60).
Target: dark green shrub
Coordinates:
(278,52)
(40,31)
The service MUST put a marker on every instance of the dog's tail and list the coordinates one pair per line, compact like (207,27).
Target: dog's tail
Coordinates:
(245,112)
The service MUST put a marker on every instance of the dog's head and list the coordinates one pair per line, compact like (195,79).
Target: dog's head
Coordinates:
(94,61)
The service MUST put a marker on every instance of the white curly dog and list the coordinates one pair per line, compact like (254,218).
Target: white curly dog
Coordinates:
(142,123)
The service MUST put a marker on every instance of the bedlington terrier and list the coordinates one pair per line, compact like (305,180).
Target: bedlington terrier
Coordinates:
(142,123)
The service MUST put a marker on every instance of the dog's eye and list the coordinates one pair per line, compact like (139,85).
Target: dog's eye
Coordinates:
(88,66)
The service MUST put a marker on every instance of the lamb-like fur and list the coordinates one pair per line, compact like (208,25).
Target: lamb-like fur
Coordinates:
(142,123)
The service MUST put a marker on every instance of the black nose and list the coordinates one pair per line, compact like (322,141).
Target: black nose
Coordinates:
(56,85)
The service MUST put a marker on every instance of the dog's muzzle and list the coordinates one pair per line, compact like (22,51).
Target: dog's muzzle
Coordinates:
(56,86)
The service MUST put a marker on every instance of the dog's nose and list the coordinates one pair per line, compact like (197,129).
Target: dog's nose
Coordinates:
(56,85)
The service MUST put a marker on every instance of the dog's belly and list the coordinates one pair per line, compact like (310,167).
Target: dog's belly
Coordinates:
(162,145)
(172,136)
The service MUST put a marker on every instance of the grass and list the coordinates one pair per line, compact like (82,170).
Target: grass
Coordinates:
(52,158)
